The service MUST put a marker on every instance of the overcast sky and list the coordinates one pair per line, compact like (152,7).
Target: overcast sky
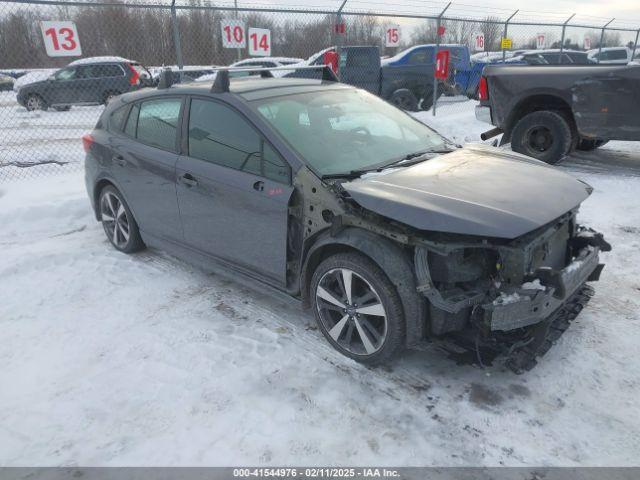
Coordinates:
(598,12)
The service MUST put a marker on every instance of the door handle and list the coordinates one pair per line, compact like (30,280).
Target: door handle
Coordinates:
(259,186)
(189,180)
(119,159)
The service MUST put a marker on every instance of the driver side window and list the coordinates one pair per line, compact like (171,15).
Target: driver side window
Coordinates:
(220,135)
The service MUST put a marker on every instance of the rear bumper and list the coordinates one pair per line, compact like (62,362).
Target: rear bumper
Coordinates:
(522,307)
(483,113)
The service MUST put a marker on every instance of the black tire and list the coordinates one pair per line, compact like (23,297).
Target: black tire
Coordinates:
(35,102)
(586,145)
(110,209)
(405,99)
(62,109)
(427,99)
(393,341)
(545,135)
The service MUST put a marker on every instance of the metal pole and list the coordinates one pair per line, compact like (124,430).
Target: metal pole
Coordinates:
(564,28)
(176,38)
(338,35)
(235,15)
(635,45)
(504,35)
(602,39)
(435,56)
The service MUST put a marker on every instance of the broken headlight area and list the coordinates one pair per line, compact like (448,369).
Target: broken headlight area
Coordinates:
(503,296)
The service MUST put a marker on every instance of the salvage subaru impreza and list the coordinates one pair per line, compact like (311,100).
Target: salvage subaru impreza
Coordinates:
(388,231)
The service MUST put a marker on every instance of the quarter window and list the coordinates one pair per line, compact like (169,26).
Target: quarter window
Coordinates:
(116,119)
(222,136)
(132,121)
(158,123)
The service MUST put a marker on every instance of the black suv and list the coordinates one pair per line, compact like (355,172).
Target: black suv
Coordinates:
(339,199)
(84,83)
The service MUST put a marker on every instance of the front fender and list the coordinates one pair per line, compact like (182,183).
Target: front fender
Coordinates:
(389,256)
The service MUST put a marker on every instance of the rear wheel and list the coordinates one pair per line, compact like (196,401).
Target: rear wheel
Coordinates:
(35,102)
(357,308)
(545,135)
(118,222)
(405,99)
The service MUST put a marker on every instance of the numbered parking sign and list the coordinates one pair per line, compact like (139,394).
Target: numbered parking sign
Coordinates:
(61,39)
(478,44)
(233,34)
(259,42)
(540,41)
(392,36)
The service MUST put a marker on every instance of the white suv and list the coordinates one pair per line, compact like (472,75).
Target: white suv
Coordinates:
(611,55)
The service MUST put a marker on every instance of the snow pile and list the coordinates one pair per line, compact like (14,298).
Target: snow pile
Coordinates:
(533,285)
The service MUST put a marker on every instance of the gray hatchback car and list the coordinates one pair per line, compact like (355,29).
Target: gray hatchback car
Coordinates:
(333,196)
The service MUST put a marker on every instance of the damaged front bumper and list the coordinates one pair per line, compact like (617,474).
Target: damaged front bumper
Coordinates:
(536,301)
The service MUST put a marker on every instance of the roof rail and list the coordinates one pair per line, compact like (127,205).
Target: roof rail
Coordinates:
(221,83)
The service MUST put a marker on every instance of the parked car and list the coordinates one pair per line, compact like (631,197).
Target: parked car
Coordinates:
(84,82)
(6,83)
(610,55)
(406,79)
(546,111)
(329,194)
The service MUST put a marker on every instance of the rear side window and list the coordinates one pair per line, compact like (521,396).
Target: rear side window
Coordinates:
(358,57)
(106,71)
(616,55)
(221,135)
(158,123)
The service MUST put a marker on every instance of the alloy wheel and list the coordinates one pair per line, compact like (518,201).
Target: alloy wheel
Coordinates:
(114,220)
(351,311)
(34,103)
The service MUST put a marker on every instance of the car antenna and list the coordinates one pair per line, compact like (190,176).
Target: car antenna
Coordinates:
(166,79)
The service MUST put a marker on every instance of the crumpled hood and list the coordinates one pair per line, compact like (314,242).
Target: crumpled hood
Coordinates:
(477,190)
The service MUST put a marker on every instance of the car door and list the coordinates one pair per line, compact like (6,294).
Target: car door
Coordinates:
(144,165)
(233,191)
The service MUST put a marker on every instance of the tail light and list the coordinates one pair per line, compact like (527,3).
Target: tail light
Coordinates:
(483,89)
(135,76)
(87,141)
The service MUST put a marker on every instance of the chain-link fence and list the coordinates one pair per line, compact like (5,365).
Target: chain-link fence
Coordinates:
(48,101)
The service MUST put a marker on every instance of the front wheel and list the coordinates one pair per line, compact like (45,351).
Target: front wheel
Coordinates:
(545,135)
(35,102)
(118,222)
(357,308)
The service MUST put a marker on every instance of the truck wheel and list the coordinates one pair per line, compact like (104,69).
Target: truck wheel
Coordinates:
(586,145)
(403,98)
(545,135)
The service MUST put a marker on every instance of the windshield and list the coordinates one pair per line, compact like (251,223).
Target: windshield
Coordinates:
(339,131)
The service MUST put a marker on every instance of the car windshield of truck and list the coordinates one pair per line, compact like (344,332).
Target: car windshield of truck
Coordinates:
(341,131)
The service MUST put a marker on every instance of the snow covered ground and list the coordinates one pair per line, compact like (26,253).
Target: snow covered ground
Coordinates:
(109,359)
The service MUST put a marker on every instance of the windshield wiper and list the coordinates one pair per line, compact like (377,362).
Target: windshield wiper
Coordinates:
(405,161)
